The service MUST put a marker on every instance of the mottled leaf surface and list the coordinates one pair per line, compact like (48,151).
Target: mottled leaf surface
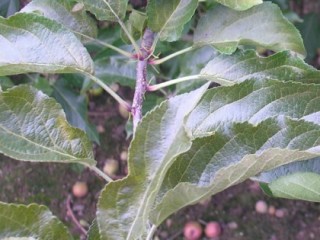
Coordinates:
(246,65)
(61,11)
(50,47)
(30,222)
(124,205)
(236,131)
(167,18)
(240,4)
(230,158)
(262,25)
(106,9)
(33,127)
(254,101)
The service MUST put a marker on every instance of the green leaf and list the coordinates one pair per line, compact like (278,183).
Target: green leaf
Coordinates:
(108,10)
(5,83)
(254,101)
(245,65)
(75,107)
(33,128)
(283,4)
(312,165)
(302,185)
(236,132)
(51,48)
(240,5)
(310,31)
(263,26)
(93,233)
(30,222)
(42,84)
(167,18)
(9,7)
(124,205)
(135,25)
(116,68)
(226,158)
(61,11)
(299,180)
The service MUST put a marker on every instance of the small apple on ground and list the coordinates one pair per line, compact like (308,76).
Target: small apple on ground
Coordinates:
(261,207)
(80,189)
(213,229)
(192,230)
(111,167)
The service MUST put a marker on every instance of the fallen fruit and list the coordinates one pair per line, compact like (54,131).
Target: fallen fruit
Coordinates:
(115,87)
(111,167)
(124,156)
(213,229)
(80,189)
(261,207)
(271,210)
(280,213)
(192,230)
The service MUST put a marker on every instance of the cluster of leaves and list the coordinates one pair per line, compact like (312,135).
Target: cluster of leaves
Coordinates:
(262,122)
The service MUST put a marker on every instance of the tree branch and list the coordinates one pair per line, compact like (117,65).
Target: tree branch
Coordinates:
(141,78)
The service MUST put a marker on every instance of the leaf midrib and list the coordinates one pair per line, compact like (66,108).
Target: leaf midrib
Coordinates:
(37,144)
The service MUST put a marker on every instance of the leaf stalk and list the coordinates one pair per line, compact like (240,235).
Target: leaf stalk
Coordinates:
(162,60)
(118,50)
(101,174)
(172,82)
(124,28)
(110,91)
(151,232)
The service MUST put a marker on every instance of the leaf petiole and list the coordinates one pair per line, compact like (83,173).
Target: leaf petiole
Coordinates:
(162,60)
(172,82)
(124,28)
(118,50)
(151,232)
(110,91)
(101,173)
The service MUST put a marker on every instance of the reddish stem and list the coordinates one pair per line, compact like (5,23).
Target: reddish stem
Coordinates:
(73,217)
(141,79)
